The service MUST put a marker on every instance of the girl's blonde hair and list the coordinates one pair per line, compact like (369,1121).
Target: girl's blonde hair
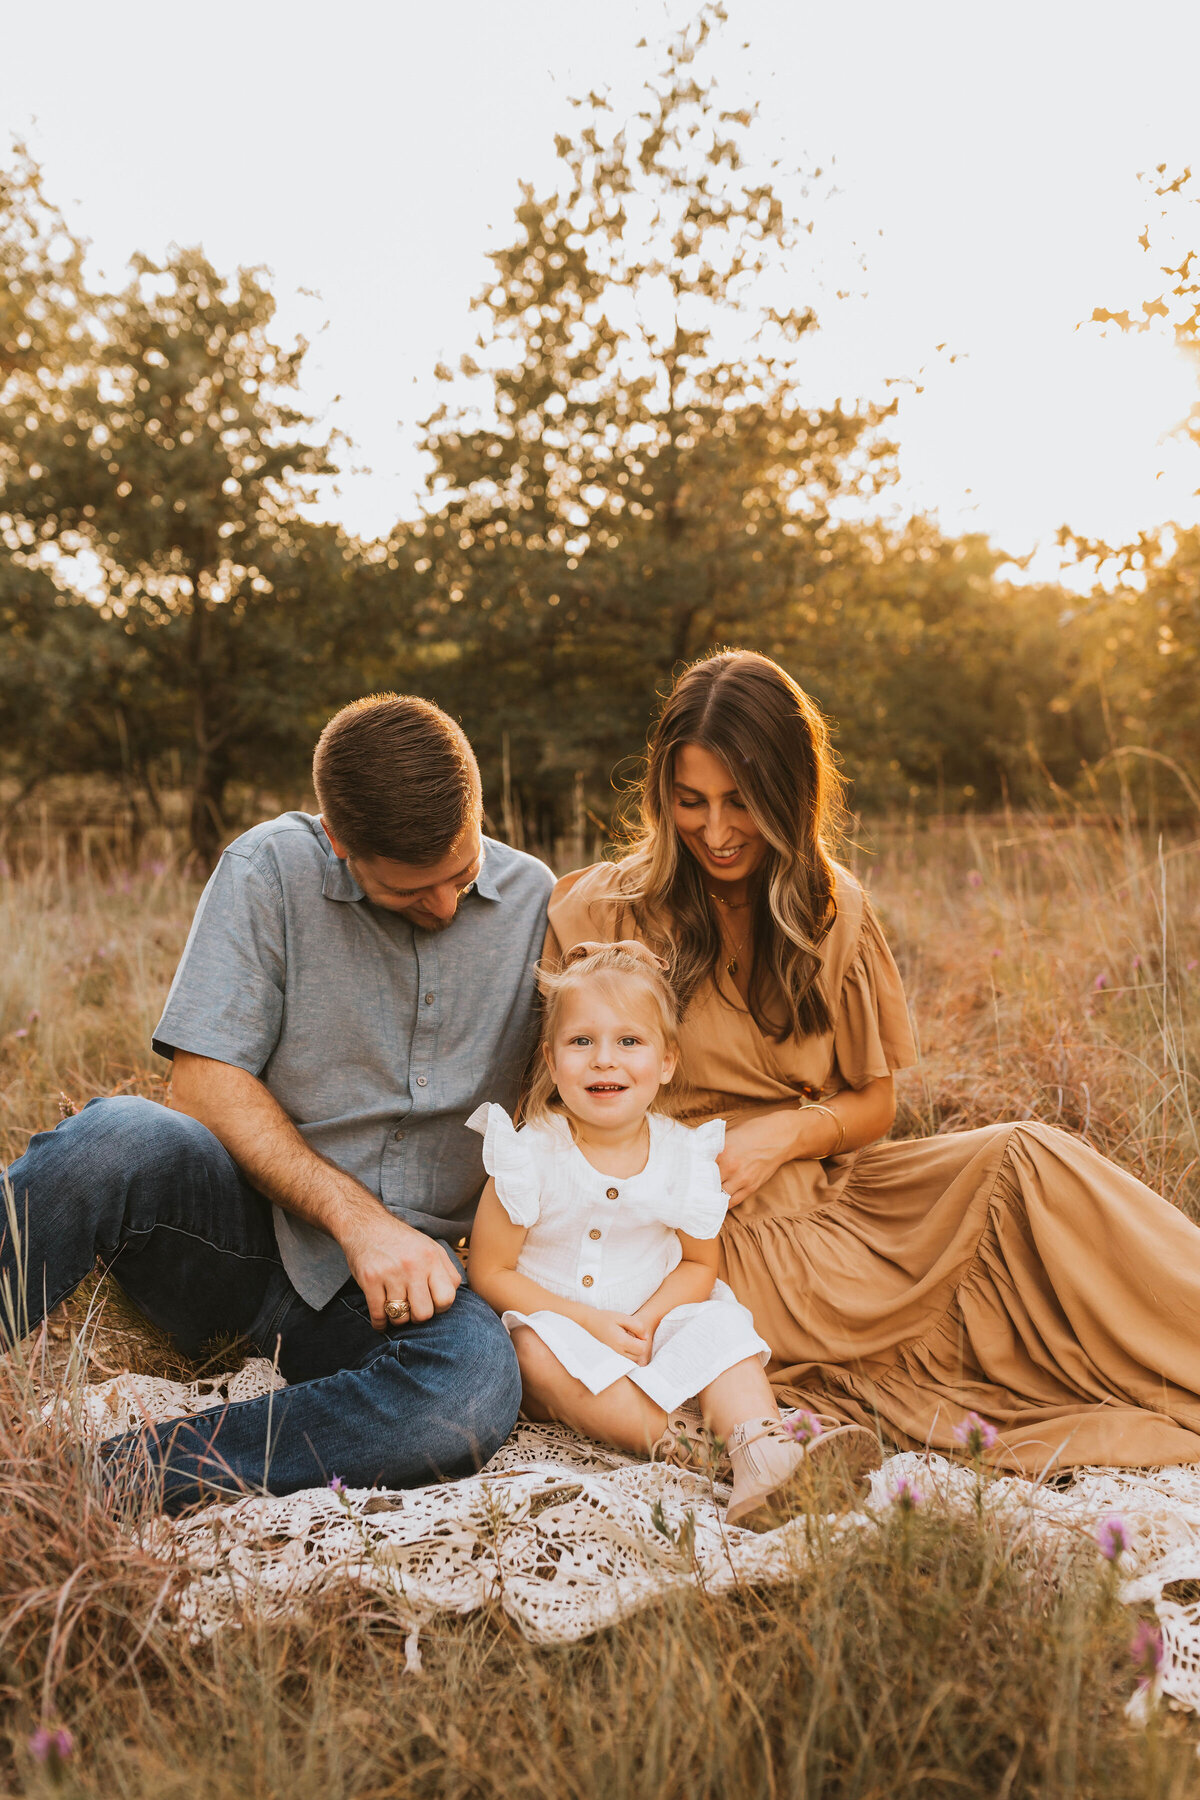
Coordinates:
(613,968)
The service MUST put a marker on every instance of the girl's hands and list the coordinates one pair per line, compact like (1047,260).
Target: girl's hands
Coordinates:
(623,1333)
(754,1150)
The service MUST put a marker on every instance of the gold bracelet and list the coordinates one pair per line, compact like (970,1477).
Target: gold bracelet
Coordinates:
(815,1106)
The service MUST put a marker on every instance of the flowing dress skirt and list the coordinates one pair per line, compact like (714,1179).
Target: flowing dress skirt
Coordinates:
(1011,1271)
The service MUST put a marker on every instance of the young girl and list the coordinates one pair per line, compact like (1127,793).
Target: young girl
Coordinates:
(596,1242)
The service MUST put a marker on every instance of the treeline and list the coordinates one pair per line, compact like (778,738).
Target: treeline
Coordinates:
(613,492)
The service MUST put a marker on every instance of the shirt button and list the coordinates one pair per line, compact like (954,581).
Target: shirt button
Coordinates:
(588,1280)
(422,1081)
(399,1136)
(593,1233)
(429,999)
(611,1193)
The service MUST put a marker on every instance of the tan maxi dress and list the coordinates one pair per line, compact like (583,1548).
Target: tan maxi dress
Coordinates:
(1012,1271)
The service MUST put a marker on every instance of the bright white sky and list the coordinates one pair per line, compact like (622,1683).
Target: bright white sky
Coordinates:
(985,159)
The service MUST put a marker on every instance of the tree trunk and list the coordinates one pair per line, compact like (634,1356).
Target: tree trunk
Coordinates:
(206,825)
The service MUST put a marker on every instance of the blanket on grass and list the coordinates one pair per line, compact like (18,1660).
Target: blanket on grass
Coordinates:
(567,1537)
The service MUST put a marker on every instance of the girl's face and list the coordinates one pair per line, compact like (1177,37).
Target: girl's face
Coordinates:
(712,818)
(606,1056)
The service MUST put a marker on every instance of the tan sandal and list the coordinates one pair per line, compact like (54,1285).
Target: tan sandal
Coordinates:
(688,1445)
(808,1464)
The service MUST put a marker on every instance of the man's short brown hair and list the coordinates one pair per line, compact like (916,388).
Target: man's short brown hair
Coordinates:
(395,776)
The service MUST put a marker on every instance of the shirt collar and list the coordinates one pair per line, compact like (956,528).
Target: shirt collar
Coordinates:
(484,883)
(339,883)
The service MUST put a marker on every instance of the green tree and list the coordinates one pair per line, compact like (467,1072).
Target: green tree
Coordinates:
(640,477)
(162,453)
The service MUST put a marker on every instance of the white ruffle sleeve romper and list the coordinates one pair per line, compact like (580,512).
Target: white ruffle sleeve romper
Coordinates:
(611,1241)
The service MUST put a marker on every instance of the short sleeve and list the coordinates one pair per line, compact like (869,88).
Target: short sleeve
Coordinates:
(872,1036)
(587,905)
(510,1162)
(694,1201)
(226,1000)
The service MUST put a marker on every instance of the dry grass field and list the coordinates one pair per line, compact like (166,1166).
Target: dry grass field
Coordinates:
(1053,964)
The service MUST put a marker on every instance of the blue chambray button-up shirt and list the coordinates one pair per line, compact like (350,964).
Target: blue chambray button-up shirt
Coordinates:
(377,1038)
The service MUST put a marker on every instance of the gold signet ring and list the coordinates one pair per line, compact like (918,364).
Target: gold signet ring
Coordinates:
(397,1312)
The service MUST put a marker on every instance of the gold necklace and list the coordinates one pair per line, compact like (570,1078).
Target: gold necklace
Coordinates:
(732,965)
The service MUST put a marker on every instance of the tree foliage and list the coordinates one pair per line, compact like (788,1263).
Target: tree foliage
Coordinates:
(627,472)
(639,475)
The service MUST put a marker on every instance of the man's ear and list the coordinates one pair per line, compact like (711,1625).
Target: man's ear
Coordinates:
(338,849)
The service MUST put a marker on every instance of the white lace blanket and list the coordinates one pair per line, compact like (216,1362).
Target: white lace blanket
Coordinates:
(567,1537)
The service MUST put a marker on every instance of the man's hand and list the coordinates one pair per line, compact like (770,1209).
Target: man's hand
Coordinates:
(388,1259)
(392,1261)
(623,1333)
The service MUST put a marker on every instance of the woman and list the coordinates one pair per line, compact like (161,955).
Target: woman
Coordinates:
(1010,1271)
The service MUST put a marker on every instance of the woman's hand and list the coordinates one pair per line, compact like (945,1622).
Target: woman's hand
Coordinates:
(622,1332)
(754,1150)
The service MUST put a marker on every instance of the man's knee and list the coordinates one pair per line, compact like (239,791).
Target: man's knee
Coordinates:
(492,1379)
(121,1136)
(480,1397)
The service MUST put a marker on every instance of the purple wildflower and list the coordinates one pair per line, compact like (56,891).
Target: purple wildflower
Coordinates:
(975,1435)
(50,1747)
(1137,962)
(907,1495)
(975,879)
(337,1486)
(1145,1652)
(1100,982)
(803,1427)
(24,1032)
(1193,963)
(1112,1538)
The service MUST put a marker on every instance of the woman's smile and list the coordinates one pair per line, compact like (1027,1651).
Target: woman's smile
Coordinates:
(713,820)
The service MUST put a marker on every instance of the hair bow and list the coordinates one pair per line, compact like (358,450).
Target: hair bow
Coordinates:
(630,947)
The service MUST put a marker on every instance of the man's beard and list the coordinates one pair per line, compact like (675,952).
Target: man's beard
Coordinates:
(429,924)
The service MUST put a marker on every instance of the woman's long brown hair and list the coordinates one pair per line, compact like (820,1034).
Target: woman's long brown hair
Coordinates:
(774,741)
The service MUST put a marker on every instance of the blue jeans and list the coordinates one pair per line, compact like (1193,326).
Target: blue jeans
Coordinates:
(159,1200)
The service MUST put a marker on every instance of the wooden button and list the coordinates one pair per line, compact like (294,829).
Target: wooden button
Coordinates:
(611,1192)
(593,1233)
(588,1280)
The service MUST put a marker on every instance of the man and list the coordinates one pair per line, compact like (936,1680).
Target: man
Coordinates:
(353,985)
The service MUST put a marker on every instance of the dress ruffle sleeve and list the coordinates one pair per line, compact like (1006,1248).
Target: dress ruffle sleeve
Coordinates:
(509,1162)
(587,905)
(872,1036)
(693,1200)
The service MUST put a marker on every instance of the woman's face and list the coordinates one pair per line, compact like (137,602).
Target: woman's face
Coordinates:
(712,820)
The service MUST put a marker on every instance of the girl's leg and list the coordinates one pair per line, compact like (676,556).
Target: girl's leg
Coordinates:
(736,1395)
(622,1415)
(774,1476)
